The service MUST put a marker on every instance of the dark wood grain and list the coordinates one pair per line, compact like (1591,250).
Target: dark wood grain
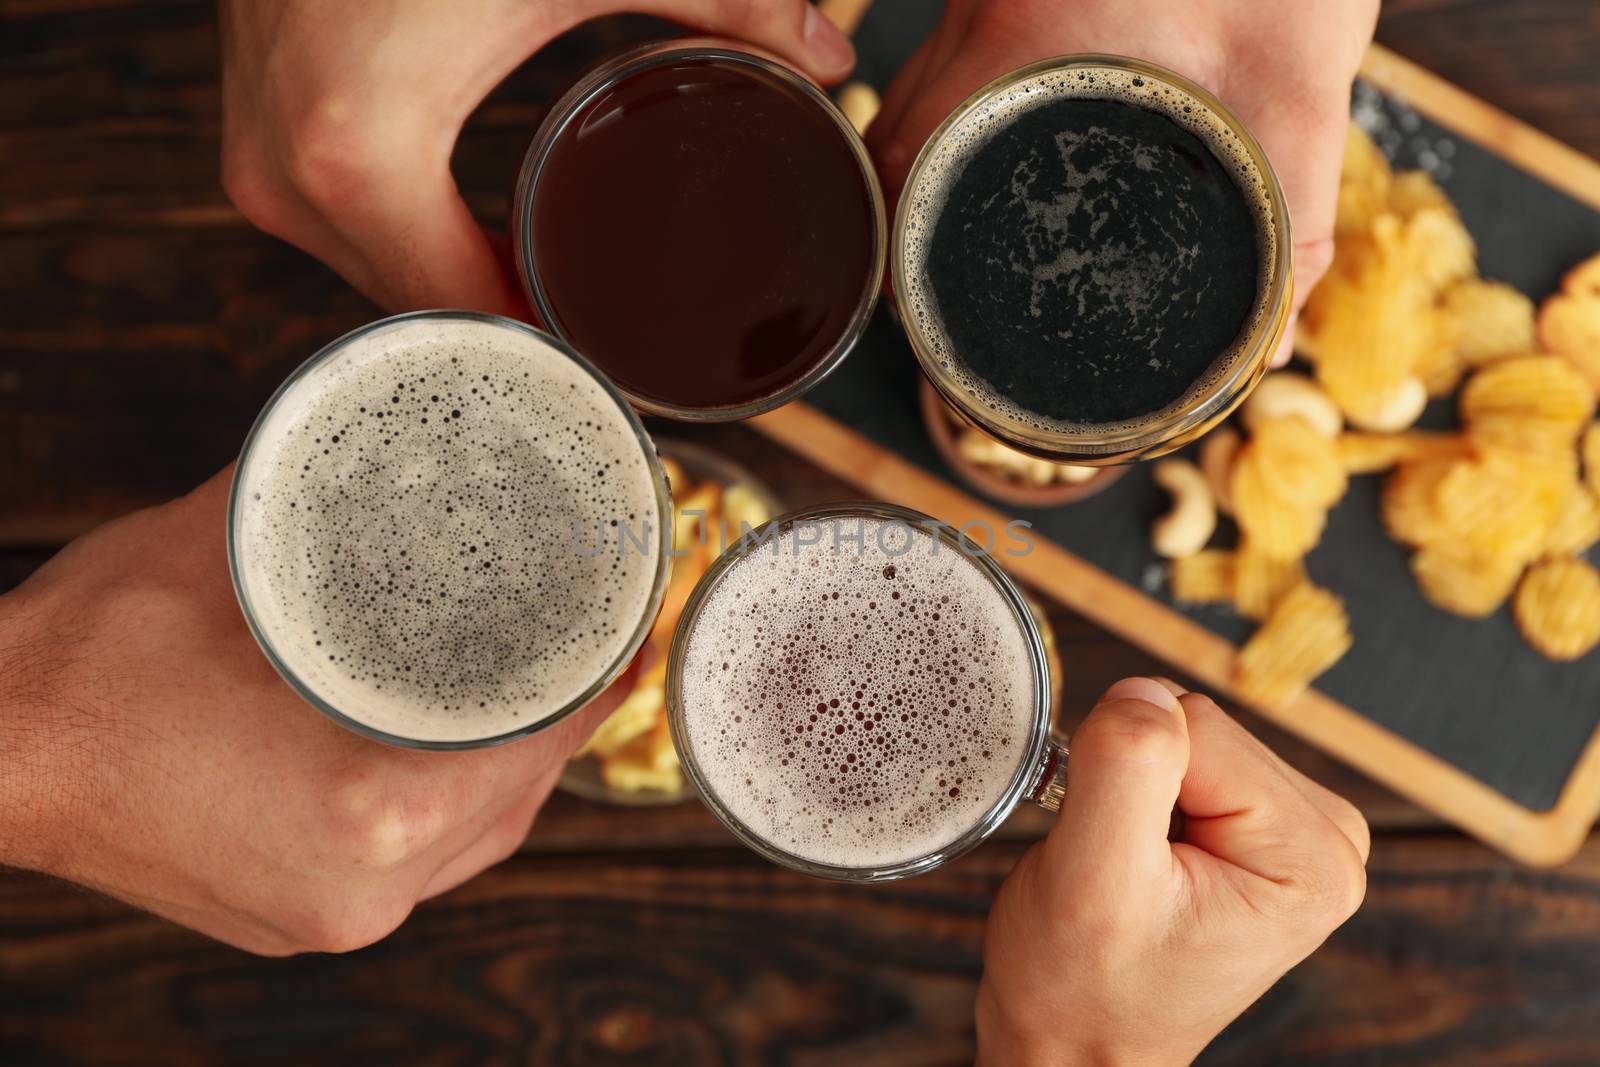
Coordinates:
(143,322)
(714,957)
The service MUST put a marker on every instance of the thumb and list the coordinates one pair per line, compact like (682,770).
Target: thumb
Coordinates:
(1127,764)
(792,29)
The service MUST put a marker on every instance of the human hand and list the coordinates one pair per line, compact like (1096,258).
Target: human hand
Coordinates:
(149,750)
(1285,69)
(1107,943)
(339,119)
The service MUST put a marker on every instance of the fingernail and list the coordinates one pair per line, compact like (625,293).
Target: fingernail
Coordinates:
(1146,689)
(1286,345)
(829,48)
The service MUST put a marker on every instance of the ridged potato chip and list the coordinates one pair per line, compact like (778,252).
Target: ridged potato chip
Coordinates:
(1364,179)
(1589,449)
(1207,577)
(1495,508)
(1409,505)
(1557,607)
(1438,244)
(1543,389)
(1438,359)
(1306,634)
(1273,524)
(1493,320)
(1576,526)
(1300,463)
(1259,581)
(1460,582)
(1584,279)
(1569,323)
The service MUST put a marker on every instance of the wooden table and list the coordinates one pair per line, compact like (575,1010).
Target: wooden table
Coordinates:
(142,323)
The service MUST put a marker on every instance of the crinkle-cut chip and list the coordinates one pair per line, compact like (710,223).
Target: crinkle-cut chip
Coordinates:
(1582,279)
(1570,324)
(1456,580)
(1409,504)
(1438,359)
(1576,525)
(1273,524)
(1589,448)
(1440,247)
(1363,160)
(1368,453)
(1207,577)
(1494,320)
(1415,191)
(1543,449)
(1301,464)
(1497,507)
(1306,634)
(634,717)
(1557,607)
(647,762)
(1364,178)
(1538,388)
(1260,580)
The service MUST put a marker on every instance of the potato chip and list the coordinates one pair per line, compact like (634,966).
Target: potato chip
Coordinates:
(1368,453)
(1493,320)
(1203,578)
(1570,324)
(1274,525)
(1438,361)
(647,762)
(1306,634)
(1536,388)
(1414,191)
(1589,449)
(1364,179)
(1496,508)
(1439,247)
(1576,525)
(1299,463)
(1259,581)
(1584,279)
(1409,506)
(634,717)
(1557,607)
(1464,583)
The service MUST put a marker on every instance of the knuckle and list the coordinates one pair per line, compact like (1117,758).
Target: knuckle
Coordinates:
(1333,886)
(343,926)
(324,156)
(377,823)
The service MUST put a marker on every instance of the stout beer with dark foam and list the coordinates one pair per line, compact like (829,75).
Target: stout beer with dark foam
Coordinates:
(857,693)
(1088,252)
(447,529)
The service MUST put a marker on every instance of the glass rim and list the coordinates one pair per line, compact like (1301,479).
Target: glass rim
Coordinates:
(332,350)
(1029,764)
(1183,424)
(643,57)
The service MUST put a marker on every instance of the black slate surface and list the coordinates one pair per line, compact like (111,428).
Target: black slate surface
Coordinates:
(1472,693)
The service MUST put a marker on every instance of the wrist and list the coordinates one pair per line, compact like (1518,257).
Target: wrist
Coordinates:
(34,738)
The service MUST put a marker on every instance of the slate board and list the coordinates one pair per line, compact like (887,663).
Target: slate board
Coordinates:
(1470,692)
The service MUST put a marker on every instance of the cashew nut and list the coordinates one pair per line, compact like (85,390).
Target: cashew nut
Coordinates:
(859,102)
(1397,411)
(1185,529)
(1286,393)
(1217,453)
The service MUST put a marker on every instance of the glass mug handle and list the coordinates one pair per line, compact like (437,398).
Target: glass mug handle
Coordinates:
(1051,788)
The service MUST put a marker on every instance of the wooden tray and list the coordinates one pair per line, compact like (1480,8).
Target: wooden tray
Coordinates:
(1474,762)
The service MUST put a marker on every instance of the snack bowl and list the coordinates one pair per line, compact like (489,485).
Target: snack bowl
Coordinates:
(952,436)
(630,760)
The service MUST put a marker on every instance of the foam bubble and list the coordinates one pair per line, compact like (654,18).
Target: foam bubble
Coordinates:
(859,709)
(947,159)
(406,529)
